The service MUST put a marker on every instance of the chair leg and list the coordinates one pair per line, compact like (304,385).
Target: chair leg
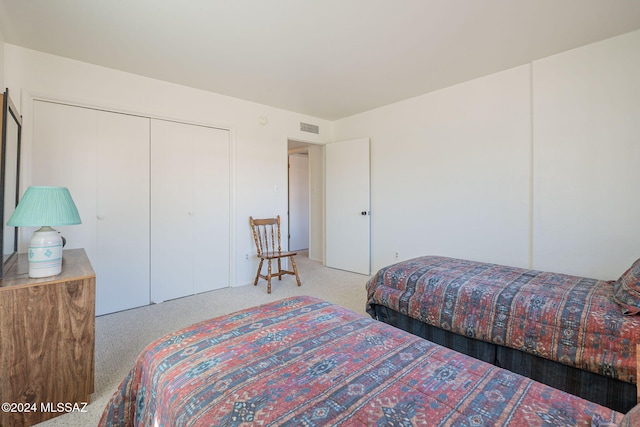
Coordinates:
(269,277)
(255,282)
(279,269)
(295,270)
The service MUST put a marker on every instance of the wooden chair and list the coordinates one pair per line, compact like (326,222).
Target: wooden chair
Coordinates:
(266,234)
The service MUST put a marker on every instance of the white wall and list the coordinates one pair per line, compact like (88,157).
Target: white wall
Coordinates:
(587,158)
(259,166)
(533,166)
(2,72)
(450,171)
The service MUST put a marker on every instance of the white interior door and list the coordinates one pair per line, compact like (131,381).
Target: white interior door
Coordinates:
(347,206)
(65,154)
(103,158)
(212,227)
(172,189)
(298,202)
(122,274)
(190,224)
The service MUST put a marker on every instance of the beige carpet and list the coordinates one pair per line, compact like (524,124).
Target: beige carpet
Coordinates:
(121,336)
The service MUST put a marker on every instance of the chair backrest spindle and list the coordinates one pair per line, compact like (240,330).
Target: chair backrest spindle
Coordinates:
(266,234)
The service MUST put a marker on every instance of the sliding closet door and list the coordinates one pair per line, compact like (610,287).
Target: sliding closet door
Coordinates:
(103,158)
(65,154)
(171,211)
(211,205)
(189,209)
(122,212)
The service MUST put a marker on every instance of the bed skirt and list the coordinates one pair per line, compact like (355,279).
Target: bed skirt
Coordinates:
(617,395)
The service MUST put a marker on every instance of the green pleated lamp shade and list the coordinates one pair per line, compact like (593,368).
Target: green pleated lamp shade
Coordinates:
(45,206)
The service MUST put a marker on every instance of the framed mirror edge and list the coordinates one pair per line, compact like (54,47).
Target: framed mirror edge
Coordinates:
(9,179)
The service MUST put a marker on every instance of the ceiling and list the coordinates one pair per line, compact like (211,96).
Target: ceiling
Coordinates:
(325,58)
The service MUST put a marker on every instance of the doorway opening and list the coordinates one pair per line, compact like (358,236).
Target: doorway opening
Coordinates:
(305,198)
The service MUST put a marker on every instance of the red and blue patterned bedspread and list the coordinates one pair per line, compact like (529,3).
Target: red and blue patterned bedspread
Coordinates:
(569,319)
(306,362)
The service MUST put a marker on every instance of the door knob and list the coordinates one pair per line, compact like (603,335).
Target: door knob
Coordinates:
(363,213)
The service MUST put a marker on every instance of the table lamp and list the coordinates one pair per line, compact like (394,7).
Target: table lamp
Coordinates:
(45,207)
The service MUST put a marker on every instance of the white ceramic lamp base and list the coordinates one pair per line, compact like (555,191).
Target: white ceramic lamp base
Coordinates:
(45,253)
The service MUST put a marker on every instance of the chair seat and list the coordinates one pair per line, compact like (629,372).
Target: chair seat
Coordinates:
(274,255)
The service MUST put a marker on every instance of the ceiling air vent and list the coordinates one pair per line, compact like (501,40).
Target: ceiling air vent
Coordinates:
(306,127)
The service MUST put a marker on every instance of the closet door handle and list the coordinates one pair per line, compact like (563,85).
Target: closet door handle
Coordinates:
(100,217)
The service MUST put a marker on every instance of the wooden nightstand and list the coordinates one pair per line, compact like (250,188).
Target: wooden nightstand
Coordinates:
(47,340)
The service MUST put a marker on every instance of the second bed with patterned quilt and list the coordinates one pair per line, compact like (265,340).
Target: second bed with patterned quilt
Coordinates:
(574,333)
